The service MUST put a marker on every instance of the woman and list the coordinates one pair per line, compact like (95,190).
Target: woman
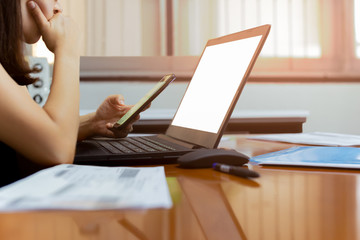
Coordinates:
(46,135)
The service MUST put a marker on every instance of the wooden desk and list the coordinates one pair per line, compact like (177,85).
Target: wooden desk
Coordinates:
(284,203)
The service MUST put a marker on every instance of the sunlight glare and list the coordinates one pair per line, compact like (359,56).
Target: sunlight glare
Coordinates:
(40,50)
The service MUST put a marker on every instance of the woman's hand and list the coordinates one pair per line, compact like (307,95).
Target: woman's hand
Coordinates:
(111,110)
(58,33)
(101,122)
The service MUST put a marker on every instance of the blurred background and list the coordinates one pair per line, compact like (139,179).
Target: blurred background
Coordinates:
(310,62)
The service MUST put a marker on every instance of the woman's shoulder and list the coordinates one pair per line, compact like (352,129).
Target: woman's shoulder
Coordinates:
(4,76)
(8,84)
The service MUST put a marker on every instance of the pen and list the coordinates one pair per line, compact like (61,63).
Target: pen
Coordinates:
(235,170)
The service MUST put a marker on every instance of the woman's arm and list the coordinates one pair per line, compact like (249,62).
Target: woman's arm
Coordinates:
(100,123)
(45,135)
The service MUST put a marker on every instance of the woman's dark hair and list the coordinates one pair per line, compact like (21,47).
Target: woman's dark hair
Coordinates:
(11,43)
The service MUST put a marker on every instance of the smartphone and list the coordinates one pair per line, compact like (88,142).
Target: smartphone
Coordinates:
(144,101)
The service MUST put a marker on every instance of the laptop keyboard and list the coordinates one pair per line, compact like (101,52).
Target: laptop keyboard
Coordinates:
(135,144)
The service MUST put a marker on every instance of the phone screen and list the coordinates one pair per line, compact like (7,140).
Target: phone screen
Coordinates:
(145,100)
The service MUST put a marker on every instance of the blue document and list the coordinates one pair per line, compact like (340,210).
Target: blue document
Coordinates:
(318,156)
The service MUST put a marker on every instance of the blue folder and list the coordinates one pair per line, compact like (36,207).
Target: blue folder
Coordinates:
(318,156)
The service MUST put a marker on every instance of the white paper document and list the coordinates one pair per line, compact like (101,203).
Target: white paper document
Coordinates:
(314,138)
(76,187)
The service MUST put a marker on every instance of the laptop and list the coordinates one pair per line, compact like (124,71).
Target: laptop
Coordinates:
(204,111)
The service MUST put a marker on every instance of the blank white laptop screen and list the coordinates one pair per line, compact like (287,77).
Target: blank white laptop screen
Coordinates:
(216,79)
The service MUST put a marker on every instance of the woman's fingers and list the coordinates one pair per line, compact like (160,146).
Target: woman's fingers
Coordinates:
(38,16)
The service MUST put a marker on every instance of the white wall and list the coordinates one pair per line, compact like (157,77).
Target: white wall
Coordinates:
(332,107)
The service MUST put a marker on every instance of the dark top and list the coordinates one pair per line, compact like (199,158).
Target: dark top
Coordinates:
(9,170)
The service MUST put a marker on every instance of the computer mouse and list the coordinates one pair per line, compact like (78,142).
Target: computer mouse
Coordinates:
(204,158)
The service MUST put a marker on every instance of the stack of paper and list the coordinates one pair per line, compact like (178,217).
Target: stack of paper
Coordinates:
(315,138)
(88,188)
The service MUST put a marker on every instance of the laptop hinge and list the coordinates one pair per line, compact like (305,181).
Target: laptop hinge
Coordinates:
(179,142)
